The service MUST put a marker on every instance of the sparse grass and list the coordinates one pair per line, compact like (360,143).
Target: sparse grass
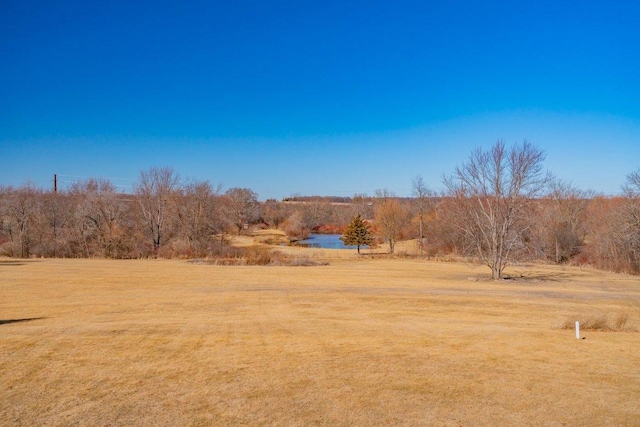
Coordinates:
(362,341)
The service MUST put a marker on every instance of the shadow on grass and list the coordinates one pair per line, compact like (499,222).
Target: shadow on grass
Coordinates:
(7,321)
(13,263)
(535,277)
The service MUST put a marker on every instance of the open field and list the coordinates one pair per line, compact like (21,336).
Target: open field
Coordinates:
(358,342)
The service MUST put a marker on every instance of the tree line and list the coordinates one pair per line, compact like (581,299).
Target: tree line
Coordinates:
(500,206)
(164,216)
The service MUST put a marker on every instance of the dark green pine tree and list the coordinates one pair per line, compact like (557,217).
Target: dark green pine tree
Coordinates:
(357,233)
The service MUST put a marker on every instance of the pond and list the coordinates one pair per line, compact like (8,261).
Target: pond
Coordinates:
(325,241)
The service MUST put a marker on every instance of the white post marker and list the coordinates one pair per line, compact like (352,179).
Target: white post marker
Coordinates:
(577,330)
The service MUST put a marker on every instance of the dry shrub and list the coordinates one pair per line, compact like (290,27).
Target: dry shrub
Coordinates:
(176,249)
(595,323)
(453,258)
(258,256)
(10,249)
(620,321)
(599,322)
(299,261)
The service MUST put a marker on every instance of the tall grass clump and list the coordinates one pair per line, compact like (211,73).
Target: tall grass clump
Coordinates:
(599,322)
(257,256)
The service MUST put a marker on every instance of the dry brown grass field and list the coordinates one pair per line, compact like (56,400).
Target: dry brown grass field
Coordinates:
(362,341)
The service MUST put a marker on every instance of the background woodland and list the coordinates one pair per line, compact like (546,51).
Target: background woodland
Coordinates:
(166,216)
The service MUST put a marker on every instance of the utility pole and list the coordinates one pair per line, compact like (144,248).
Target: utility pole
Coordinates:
(55,183)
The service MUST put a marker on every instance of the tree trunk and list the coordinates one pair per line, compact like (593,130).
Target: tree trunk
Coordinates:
(496,272)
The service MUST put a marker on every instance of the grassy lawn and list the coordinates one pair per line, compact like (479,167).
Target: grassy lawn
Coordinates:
(358,342)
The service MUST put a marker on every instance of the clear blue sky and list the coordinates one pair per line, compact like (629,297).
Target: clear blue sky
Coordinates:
(329,98)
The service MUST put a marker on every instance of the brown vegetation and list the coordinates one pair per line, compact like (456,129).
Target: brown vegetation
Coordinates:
(494,195)
(359,342)
(497,210)
(599,322)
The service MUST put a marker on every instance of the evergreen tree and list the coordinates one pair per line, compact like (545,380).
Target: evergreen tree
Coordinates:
(357,233)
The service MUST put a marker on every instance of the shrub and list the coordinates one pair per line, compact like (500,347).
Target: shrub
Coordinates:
(599,322)
(257,256)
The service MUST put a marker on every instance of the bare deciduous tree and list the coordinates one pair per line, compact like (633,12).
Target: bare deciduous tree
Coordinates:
(607,247)
(562,217)
(362,205)
(295,226)
(316,212)
(423,204)
(389,217)
(493,192)
(21,208)
(56,211)
(199,215)
(100,212)
(631,223)
(275,213)
(632,186)
(155,191)
(241,207)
